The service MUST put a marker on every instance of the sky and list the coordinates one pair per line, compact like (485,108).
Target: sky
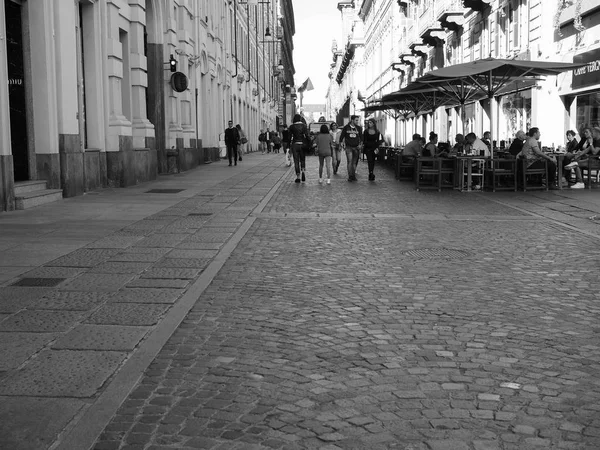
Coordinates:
(318,23)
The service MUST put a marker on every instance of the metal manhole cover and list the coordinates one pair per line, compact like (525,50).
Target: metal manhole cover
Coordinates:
(164,191)
(200,214)
(429,253)
(38,282)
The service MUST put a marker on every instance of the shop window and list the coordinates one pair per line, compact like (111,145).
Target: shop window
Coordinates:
(588,110)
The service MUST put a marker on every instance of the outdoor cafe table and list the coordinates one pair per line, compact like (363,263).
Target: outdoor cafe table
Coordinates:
(464,170)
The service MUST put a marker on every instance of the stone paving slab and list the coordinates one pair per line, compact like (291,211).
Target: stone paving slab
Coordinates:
(84,258)
(162,282)
(97,282)
(101,337)
(121,267)
(70,300)
(126,314)
(63,373)
(16,348)
(54,272)
(191,254)
(40,421)
(115,242)
(149,295)
(13,299)
(41,321)
(171,273)
(199,263)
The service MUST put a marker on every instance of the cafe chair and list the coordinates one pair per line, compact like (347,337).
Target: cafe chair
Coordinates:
(427,173)
(405,169)
(501,175)
(447,167)
(533,178)
(591,169)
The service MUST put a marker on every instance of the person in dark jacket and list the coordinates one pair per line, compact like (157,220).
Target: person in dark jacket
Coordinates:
(298,134)
(372,140)
(285,144)
(351,140)
(232,140)
(517,145)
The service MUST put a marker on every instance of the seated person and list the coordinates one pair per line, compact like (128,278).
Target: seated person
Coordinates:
(444,150)
(476,146)
(517,145)
(459,147)
(570,153)
(412,150)
(486,139)
(430,149)
(590,148)
(534,156)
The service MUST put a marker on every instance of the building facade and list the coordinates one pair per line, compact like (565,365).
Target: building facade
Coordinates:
(404,40)
(98,93)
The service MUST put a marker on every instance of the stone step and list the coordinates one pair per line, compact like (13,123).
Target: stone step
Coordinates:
(36,198)
(21,187)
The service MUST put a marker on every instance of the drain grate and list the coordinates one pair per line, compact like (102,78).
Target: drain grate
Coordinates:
(164,191)
(430,253)
(200,214)
(38,282)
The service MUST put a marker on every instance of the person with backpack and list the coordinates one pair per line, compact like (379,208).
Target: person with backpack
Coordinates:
(298,136)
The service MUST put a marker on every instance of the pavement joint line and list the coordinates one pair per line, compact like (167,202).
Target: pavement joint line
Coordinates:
(396,216)
(554,221)
(84,433)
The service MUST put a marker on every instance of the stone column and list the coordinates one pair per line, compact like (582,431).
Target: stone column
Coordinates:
(44,91)
(67,85)
(119,148)
(7,201)
(142,128)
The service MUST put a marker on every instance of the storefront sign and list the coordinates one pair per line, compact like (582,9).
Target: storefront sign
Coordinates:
(589,74)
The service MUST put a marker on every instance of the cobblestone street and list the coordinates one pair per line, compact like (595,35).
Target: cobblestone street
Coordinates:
(257,313)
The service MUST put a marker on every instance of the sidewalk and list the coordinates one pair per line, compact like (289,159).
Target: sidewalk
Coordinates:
(105,280)
(102,282)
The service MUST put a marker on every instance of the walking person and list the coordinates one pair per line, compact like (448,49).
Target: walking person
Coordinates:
(372,139)
(243,141)
(285,144)
(232,139)
(276,141)
(298,135)
(336,151)
(262,141)
(269,140)
(351,141)
(324,142)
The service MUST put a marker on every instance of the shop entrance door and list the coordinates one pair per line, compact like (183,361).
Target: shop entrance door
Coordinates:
(16,89)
